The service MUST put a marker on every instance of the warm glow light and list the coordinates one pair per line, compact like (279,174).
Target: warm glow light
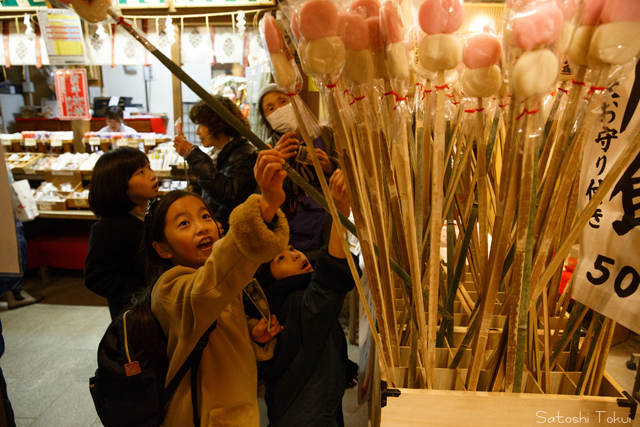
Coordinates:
(479,21)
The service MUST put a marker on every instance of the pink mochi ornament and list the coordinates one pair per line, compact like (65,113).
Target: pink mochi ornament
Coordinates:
(538,24)
(356,30)
(620,11)
(272,34)
(440,16)
(391,23)
(591,10)
(568,7)
(318,19)
(375,38)
(370,7)
(482,50)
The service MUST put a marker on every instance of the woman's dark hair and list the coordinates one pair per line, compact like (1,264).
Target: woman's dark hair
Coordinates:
(154,224)
(114,113)
(110,181)
(202,114)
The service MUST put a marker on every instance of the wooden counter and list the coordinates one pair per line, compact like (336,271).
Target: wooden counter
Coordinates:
(157,124)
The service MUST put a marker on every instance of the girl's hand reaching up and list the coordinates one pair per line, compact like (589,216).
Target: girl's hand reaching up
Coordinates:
(261,335)
(269,176)
(339,192)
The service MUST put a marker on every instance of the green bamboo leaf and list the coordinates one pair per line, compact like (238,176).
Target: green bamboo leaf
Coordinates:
(597,330)
(469,230)
(473,320)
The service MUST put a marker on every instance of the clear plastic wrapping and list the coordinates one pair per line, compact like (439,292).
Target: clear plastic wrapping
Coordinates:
(285,73)
(439,48)
(482,77)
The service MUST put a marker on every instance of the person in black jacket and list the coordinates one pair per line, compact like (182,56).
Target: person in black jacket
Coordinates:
(227,180)
(306,379)
(122,183)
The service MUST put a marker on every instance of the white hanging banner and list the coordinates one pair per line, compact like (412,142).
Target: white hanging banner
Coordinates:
(98,44)
(607,278)
(228,47)
(128,51)
(22,50)
(196,45)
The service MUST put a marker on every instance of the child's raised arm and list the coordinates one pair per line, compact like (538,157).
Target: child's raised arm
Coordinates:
(269,176)
(339,194)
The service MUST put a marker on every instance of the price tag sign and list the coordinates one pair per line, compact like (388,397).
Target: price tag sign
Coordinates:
(56,143)
(81,203)
(123,142)
(6,142)
(149,142)
(30,142)
(45,206)
(94,141)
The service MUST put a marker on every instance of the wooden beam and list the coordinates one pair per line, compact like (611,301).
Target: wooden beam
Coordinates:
(175,82)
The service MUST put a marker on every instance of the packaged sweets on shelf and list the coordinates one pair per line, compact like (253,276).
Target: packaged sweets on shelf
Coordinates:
(12,142)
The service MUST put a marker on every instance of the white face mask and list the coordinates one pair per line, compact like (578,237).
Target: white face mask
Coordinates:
(283,119)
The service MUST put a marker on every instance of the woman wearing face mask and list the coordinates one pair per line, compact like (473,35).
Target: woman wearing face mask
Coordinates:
(226,179)
(308,221)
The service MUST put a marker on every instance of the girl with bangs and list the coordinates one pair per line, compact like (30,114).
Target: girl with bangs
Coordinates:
(121,186)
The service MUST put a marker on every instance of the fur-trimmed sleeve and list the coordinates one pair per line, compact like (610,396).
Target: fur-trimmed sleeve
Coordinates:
(262,352)
(255,239)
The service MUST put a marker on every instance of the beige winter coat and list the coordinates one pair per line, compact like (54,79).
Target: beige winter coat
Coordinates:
(187,301)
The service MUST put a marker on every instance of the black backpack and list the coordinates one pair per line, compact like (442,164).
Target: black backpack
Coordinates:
(128,388)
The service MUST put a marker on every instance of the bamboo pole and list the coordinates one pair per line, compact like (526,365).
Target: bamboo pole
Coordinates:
(586,368)
(609,328)
(524,251)
(482,186)
(560,146)
(435,225)
(372,173)
(447,322)
(572,327)
(341,133)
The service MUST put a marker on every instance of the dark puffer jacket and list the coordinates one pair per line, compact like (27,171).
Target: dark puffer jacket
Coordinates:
(305,380)
(228,181)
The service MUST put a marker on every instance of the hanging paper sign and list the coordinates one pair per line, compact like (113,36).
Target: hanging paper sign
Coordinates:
(56,143)
(29,142)
(94,141)
(607,278)
(63,36)
(72,94)
(223,3)
(149,142)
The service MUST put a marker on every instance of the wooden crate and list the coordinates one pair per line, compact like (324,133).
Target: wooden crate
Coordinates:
(464,408)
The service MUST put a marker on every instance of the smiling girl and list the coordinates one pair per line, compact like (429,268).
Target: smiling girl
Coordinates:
(227,180)
(122,183)
(201,277)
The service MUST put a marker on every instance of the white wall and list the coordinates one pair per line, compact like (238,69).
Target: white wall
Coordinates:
(118,83)
(201,73)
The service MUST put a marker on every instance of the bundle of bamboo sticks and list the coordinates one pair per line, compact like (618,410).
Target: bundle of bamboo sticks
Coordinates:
(481,308)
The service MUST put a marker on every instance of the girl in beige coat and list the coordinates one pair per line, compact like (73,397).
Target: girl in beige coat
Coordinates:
(201,281)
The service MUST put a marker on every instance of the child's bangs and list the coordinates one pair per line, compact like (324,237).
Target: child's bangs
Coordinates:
(131,164)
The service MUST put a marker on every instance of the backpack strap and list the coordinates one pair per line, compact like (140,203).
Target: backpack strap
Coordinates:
(193,361)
